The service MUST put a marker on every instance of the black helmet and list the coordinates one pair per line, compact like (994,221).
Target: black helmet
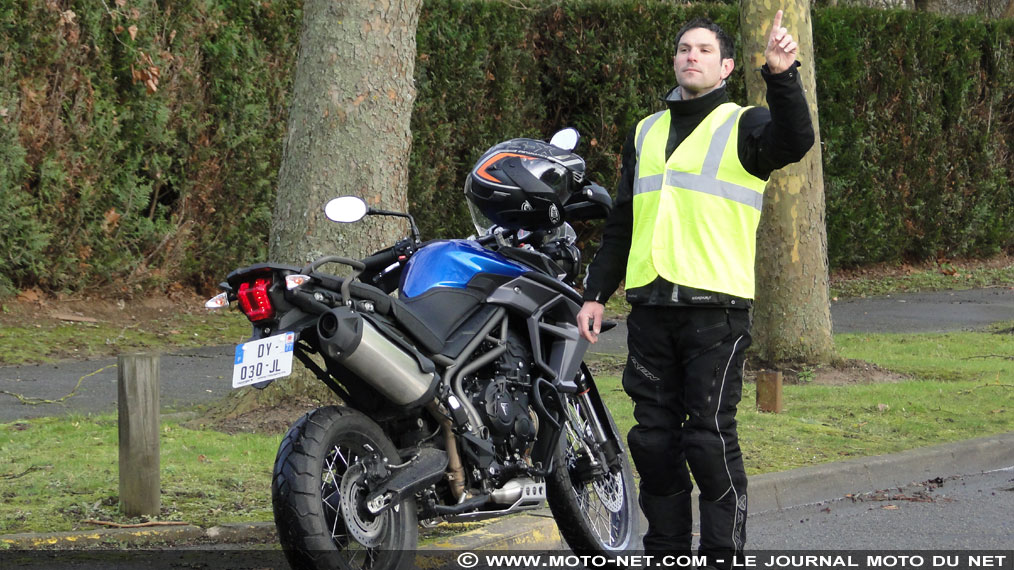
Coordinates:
(522,184)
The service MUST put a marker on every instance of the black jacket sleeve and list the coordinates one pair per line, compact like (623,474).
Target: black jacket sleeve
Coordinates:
(609,266)
(771,139)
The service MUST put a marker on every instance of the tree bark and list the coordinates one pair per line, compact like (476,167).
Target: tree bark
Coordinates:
(792,314)
(348,134)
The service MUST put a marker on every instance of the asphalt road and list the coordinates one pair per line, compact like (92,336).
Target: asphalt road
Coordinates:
(942,311)
(186,378)
(202,375)
(972,512)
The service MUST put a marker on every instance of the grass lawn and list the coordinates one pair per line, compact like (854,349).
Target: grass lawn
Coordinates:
(957,386)
(58,472)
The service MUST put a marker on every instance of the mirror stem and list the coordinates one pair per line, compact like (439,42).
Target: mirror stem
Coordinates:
(411,220)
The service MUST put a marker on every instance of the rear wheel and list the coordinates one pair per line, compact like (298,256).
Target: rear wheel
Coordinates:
(317,495)
(594,507)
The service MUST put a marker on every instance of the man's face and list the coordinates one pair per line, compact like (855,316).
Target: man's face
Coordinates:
(698,63)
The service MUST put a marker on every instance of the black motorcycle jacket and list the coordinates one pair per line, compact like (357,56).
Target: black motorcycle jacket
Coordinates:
(769,138)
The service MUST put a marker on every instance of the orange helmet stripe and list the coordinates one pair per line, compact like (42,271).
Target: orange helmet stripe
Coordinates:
(481,170)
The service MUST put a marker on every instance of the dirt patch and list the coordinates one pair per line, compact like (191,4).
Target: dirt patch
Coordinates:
(943,266)
(35,307)
(845,373)
(270,420)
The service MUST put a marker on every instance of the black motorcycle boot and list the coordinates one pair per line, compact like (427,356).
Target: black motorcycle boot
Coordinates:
(670,522)
(723,529)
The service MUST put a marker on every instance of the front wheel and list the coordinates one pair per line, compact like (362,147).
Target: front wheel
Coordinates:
(595,508)
(317,493)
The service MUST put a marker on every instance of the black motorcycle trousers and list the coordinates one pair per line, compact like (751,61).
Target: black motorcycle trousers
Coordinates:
(685,375)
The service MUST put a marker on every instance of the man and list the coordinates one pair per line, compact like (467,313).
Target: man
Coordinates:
(683,236)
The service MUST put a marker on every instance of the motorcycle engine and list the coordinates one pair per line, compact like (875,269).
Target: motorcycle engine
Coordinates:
(506,413)
(500,393)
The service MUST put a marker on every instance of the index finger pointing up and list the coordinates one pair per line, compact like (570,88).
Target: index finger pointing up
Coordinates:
(777,24)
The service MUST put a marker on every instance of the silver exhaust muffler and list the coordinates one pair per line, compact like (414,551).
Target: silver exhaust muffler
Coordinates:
(348,338)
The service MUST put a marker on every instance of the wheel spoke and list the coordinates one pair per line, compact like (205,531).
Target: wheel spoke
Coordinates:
(601,502)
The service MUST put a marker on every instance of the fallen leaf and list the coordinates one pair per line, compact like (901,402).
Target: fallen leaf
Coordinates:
(112,219)
(202,458)
(132,30)
(890,507)
(883,407)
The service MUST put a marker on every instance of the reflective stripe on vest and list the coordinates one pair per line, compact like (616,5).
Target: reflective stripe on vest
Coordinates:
(695,215)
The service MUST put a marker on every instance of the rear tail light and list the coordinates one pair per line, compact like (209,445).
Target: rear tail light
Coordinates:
(254,301)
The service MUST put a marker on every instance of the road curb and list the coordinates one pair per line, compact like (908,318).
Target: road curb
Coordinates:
(538,530)
(807,485)
(127,537)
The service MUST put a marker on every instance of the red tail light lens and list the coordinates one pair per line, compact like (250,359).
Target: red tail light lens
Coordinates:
(254,301)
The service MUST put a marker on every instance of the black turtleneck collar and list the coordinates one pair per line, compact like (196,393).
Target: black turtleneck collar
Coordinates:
(686,114)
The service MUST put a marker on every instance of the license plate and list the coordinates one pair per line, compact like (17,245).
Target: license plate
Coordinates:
(262,360)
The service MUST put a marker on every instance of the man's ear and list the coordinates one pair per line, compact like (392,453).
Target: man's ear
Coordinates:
(728,64)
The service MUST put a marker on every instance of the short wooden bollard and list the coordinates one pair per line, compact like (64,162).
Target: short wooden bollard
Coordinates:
(138,395)
(769,391)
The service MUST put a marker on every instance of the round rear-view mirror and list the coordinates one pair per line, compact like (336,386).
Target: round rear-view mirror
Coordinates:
(346,209)
(565,139)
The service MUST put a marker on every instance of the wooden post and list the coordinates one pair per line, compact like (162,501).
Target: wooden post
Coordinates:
(769,391)
(138,404)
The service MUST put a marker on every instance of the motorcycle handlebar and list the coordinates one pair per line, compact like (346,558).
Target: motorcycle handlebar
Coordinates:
(380,260)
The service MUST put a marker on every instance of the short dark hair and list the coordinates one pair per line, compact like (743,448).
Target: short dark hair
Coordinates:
(726,47)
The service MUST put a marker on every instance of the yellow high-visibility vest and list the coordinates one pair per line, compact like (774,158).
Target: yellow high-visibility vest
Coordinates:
(695,215)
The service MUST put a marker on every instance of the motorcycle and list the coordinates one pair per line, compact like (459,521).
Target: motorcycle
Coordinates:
(459,366)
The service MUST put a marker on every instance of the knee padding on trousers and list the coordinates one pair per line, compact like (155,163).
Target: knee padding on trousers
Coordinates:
(659,461)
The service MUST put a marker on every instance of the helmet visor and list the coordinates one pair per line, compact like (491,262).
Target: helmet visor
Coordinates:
(483,225)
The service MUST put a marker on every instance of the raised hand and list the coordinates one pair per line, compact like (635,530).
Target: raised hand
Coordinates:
(781,50)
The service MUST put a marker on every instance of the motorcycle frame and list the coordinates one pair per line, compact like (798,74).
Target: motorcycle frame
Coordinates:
(536,304)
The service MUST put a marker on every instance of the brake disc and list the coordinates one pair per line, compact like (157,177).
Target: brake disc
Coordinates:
(365,528)
(609,488)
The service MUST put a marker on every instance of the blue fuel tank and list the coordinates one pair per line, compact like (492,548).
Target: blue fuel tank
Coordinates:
(452,263)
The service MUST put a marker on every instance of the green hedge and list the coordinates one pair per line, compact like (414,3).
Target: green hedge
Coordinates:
(917,119)
(106,183)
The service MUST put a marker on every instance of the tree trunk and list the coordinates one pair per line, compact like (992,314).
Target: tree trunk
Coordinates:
(792,314)
(348,134)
